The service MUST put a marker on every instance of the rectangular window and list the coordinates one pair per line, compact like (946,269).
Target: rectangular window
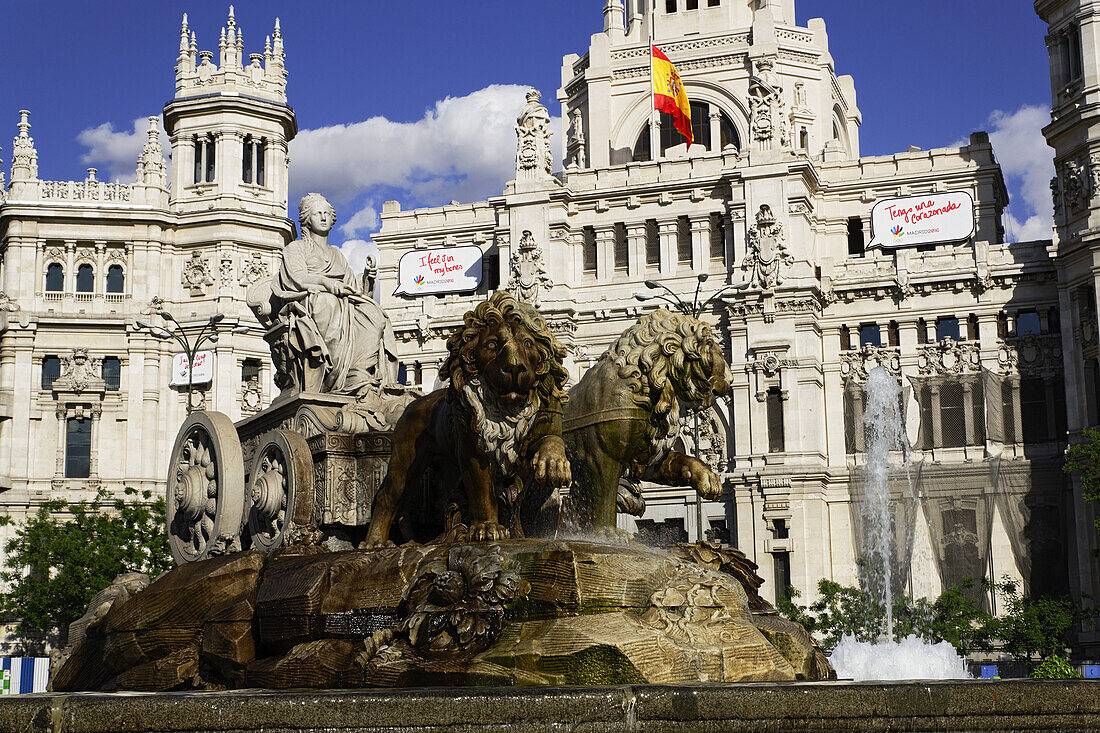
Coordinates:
(1033,410)
(775,421)
(246,160)
(947,328)
(589,251)
(198,159)
(51,371)
(845,338)
(112,373)
(717,239)
(652,243)
(713,3)
(78,448)
(490,271)
(683,240)
(622,249)
(782,563)
(402,373)
(870,335)
(1027,322)
(1008,412)
(670,6)
(250,370)
(261,149)
(856,242)
(691,5)
(972,332)
(892,336)
(952,416)
(209,160)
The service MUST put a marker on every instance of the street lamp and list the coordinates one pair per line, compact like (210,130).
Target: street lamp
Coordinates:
(188,339)
(693,309)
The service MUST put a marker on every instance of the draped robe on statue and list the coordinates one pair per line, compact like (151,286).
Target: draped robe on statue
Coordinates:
(349,334)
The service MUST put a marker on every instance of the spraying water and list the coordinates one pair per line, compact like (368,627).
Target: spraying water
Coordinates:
(912,658)
(884,433)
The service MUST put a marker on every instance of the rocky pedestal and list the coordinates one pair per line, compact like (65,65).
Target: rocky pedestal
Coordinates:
(518,612)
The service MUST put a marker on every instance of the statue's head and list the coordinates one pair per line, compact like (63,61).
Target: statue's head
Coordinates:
(316,214)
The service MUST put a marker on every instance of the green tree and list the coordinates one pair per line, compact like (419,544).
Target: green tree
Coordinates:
(1084,459)
(1033,625)
(67,552)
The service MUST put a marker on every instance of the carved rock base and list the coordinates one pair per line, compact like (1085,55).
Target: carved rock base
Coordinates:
(517,612)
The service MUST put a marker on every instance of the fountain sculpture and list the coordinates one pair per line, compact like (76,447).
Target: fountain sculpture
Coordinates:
(889,658)
(460,565)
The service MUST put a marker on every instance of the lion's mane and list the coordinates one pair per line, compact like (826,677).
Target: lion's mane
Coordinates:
(664,357)
(461,363)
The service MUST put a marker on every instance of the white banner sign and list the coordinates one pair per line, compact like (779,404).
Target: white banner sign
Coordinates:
(204,369)
(429,271)
(933,219)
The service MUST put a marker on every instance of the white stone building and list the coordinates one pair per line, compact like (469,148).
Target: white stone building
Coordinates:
(85,400)
(973,329)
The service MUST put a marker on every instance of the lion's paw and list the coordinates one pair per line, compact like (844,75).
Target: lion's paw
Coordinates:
(376,545)
(487,531)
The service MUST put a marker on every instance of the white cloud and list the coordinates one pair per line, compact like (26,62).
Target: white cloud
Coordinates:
(356,251)
(463,148)
(115,153)
(364,220)
(1027,162)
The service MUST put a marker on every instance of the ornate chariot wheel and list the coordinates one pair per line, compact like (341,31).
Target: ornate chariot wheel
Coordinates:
(205,495)
(281,489)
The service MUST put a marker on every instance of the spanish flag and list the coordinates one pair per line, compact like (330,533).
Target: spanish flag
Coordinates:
(669,94)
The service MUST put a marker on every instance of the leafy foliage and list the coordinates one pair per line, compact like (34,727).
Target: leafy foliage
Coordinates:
(1027,626)
(1084,458)
(1055,667)
(67,552)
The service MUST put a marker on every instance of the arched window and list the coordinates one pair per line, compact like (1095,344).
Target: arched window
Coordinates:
(85,278)
(116,279)
(700,131)
(55,277)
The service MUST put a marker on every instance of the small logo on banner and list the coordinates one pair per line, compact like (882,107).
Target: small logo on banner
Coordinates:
(896,231)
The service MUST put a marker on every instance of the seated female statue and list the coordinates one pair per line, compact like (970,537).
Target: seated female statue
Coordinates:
(341,338)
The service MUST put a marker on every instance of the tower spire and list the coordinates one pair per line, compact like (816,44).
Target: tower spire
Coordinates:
(24,158)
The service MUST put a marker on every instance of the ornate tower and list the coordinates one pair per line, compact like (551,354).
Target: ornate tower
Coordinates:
(1073,43)
(229,125)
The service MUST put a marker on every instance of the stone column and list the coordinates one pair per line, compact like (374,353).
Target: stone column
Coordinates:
(857,409)
(1017,418)
(59,470)
(605,253)
(95,416)
(667,233)
(70,267)
(635,241)
(715,132)
(968,412)
(937,426)
(700,246)
(99,285)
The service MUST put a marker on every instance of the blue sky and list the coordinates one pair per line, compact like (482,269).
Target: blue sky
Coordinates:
(416,100)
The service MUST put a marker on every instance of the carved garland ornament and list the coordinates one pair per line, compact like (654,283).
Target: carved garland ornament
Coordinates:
(949,357)
(856,365)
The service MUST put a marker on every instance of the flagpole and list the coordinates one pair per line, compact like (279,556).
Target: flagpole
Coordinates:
(654,133)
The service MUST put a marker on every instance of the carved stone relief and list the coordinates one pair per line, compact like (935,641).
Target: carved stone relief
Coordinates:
(767,122)
(529,273)
(253,270)
(533,133)
(1031,354)
(948,357)
(197,275)
(856,365)
(767,252)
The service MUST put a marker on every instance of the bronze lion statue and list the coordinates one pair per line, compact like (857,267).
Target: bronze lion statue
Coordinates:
(624,414)
(495,428)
